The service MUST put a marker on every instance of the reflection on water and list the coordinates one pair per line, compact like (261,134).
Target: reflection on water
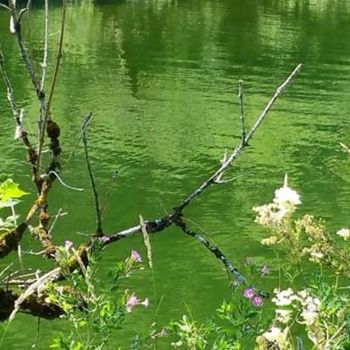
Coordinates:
(160,77)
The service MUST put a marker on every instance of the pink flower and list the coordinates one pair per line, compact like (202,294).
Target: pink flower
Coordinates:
(68,245)
(132,302)
(135,256)
(257,301)
(249,293)
(145,303)
(104,239)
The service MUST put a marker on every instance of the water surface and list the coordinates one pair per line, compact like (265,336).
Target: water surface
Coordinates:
(161,79)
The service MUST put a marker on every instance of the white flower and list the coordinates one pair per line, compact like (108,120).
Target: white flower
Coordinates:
(285,195)
(269,241)
(317,255)
(270,215)
(311,309)
(344,232)
(283,316)
(284,297)
(309,317)
(303,294)
(276,336)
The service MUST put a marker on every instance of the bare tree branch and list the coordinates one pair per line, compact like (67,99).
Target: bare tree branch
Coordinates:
(20,132)
(241,96)
(18,34)
(236,275)
(99,230)
(46,48)
(241,146)
(53,85)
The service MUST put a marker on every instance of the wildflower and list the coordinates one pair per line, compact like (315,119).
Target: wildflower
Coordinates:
(249,293)
(284,297)
(68,245)
(303,294)
(317,255)
(257,301)
(276,336)
(131,302)
(272,240)
(309,317)
(344,233)
(145,303)
(283,316)
(176,344)
(104,239)
(311,308)
(135,256)
(285,195)
(269,215)
(265,270)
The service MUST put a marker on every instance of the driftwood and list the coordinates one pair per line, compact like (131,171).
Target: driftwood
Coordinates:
(21,296)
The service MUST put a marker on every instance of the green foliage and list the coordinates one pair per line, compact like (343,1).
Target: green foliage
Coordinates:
(234,326)
(91,310)
(10,190)
(311,311)
(9,198)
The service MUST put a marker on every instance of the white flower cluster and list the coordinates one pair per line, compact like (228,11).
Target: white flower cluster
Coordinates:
(310,305)
(272,215)
(307,305)
(277,337)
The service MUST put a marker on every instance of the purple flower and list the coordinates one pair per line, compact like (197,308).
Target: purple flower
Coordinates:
(135,256)
(131,302)
(104,239)
(265,270)
(249,293)
(257,301)
(68,245)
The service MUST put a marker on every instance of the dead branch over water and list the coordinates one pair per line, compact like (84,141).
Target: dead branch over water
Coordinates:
(29,300)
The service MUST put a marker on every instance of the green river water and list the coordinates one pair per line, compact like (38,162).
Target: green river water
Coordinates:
(161,78)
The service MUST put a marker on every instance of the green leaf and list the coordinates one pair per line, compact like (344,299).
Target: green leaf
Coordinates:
(9,189)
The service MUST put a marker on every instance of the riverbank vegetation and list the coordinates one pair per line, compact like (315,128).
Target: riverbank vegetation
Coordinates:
(308,308)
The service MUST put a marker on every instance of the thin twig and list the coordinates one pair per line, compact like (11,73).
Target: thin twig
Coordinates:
(241,102)
(46,47)
(99,230)
(57,216)
(39,284)
(147,242)
(18,116)
(5,7)
(53,85)
(18,34)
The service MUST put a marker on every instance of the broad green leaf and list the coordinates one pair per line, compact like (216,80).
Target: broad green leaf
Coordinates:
(9,189)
